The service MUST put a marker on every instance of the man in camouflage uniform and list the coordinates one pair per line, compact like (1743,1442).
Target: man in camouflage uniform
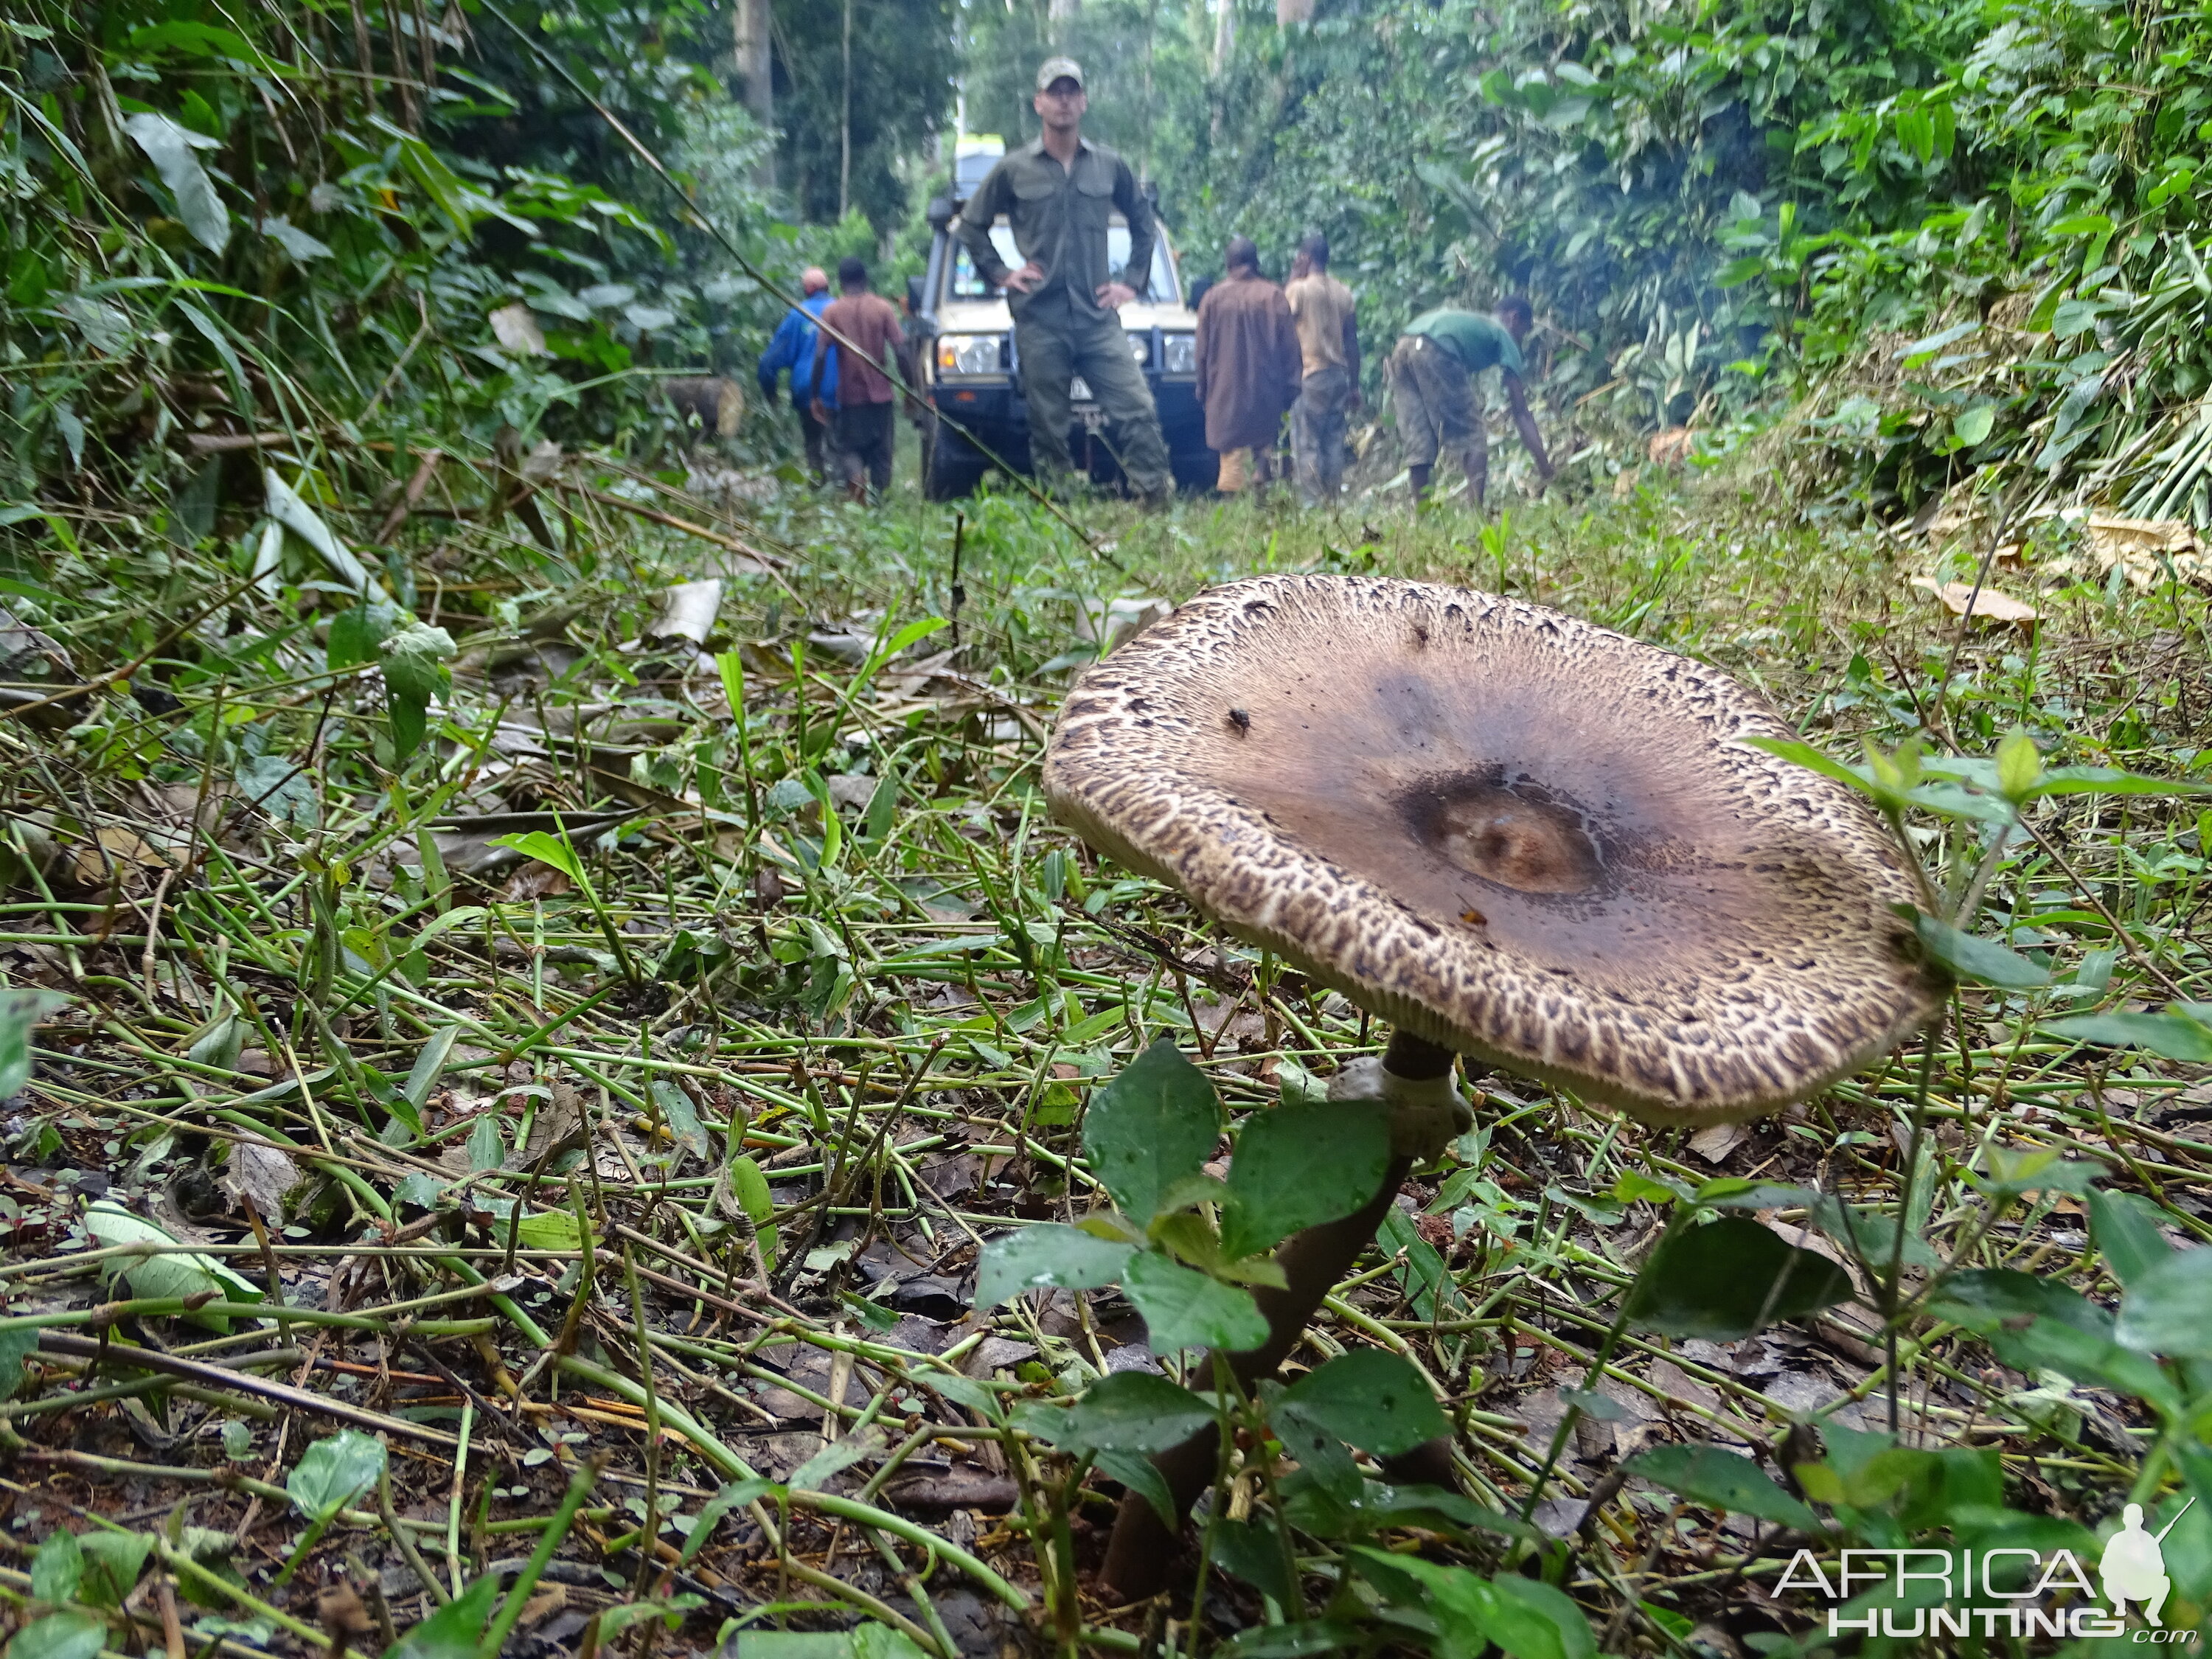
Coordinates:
(1057,194)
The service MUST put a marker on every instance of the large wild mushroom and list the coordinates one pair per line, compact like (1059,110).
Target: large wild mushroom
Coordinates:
(1515,835)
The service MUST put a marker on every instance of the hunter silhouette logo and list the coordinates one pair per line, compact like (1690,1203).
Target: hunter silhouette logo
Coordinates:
(2133,1565)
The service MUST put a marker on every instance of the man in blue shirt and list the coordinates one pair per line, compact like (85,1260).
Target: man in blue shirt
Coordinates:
(791,347)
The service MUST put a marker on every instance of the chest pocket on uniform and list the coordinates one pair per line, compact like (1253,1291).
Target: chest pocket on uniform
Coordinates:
(1035,186)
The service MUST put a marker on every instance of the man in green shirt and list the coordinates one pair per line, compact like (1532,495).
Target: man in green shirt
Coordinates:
(1057,194)
(1432,386)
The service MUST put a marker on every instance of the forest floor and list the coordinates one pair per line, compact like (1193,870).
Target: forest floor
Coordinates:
(580,1131)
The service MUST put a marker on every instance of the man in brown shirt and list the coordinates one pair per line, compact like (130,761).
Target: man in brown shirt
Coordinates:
(1328,344)
(861,423)
(1248,364)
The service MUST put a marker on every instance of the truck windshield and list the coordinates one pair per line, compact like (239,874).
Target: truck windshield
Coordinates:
(965,283)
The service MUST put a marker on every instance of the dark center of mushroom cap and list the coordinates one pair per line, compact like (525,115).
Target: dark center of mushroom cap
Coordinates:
(1513,831)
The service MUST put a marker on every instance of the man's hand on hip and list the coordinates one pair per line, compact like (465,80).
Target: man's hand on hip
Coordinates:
(1114,295)
(1021,281)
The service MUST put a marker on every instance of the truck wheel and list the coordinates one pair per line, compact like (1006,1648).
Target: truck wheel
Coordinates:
(950,466)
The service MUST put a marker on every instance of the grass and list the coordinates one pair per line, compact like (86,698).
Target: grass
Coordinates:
(710,1128)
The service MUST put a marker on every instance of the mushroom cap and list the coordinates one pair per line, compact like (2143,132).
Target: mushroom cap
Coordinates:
(1532,839)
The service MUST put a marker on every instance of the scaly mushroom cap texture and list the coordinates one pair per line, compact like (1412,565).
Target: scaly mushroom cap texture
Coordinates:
(1534,841)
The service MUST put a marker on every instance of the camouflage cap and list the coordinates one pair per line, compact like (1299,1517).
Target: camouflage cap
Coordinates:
(1054,69)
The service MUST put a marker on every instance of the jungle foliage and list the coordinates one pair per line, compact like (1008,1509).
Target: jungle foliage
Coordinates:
(1724,207)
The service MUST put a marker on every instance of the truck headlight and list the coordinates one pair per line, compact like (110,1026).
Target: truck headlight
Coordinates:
(1179,353)
(968,354)
(1141,348)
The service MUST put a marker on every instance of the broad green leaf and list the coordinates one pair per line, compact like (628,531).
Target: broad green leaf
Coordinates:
(332,1472)
(1814,759)
(356,634)
(60,1635)
(1253,1551)
(487,1147)
(454,1630)
(1873,1236)
(57,1568)
(19,1014)
(750,1183)
(1184,1308)
(1372,1400)
(734,1496)
(1707,1475)
(1973,426)
(1530,1619)
(112,1561)
(429,1066)
(546,849)
(2020,768)
(169,147)
(2125,1227)
(2171,1036)
(1048,1254)
(1298,1166)
(1150,1128)
(1128,1411)
(546,1230)
(174,1273)
(1983,961)
(1141,1476)
(2167,1307)
(14,1345)
(815,1472)
(2034,1324)
(1728,1278)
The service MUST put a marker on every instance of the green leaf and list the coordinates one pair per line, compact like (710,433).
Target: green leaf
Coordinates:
(2032,1324)
(1150,1128)
(1727,1280)
(1375,1401)
(112,1561)
(750,1183)
(2020,768)
(1128,1411)
(14,1345)
(1531,1619)
(1253,1551)
(454,1630)
(1141,1476)
(356,634)
(58,1567)
(487,1148)
(1298,1166)
(734,1496)
(332,1472)
(2125,1227)
(1983,961)
(1184,1308)
(2171,1036)
(414,663)
(1048,1254)
(169,147)
(1707,1475)
(1813,760)
(537,844)
(174,1273)
(19,1014)
(60,1635)
(2167,1307)
(429,1065)
(1972,426)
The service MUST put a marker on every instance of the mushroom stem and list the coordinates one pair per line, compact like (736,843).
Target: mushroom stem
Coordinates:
(1141,1552)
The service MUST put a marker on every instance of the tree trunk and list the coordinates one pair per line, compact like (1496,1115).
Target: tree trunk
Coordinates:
(845,136)
(754,37)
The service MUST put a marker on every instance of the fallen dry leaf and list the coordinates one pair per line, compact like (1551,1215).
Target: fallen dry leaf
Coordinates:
(1714,1143)
(1987,604)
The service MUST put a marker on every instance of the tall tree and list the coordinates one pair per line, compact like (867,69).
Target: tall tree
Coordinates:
(860,87)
